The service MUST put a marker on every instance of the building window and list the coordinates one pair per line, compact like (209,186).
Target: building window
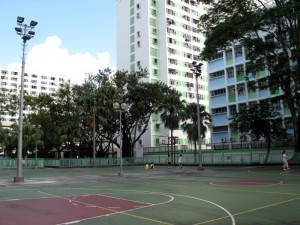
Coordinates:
(218,92)
(217,55)
(153,12)
(220,110)
(240,70)
(238,51)
(241,89)
(141,142)
(232,110)
(138,15)
(216,74)
(230,73)
(157,126)
(173,61)
(138,44)
(228,54)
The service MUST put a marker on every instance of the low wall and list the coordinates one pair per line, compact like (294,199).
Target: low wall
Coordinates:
(208,158)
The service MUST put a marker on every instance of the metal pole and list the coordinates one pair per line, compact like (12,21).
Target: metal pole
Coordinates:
(199,127)
(94,137)
(19,177)
(121,145)
(36,166)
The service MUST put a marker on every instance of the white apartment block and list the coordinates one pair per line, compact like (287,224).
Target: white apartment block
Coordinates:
(34,84)
(162,36)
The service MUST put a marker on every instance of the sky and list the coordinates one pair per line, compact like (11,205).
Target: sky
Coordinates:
(72,37)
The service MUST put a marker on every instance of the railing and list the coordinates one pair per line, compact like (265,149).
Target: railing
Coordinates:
(221,146)
(208,158)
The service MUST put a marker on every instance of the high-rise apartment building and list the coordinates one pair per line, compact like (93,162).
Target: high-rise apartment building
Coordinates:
(230,91)
(162,36)
(34,84)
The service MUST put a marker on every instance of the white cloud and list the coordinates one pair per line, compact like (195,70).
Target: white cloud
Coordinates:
(51,58)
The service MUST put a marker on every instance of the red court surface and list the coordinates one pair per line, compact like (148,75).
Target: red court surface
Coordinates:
(59,210)
(247,182)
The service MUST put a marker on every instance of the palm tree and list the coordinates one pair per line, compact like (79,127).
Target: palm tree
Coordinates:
(190,124)
(172,110)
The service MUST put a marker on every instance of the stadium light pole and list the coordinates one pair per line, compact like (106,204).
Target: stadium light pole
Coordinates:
(25,31)
(196,69)
(120,108)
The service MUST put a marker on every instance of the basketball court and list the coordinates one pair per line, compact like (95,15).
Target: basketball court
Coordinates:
(217,196)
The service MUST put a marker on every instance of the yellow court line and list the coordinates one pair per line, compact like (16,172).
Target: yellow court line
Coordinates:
(250,210)
(111,210)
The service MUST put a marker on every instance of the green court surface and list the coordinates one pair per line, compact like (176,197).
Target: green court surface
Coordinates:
(215,196)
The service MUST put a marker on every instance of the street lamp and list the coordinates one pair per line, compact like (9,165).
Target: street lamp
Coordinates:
(36,128)
(120,108)
(25,31)
(196,69)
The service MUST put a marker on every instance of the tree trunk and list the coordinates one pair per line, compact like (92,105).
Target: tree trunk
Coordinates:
(195,152)
(268,150)
(172,144)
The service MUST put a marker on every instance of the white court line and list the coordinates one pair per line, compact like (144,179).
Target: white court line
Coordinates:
(120,212)
(169,195)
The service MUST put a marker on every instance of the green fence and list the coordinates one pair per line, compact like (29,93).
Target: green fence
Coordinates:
(208,158)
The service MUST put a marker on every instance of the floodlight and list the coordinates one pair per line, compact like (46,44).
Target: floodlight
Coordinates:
(20,19)
(33,23)
(26,38)
(31,32)
(18,29)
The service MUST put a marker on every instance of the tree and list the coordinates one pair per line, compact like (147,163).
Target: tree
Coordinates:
(9,139)
(143,99)
(260,121)
(271,35)
(190,124)
(172,108)
(58,117)
(93,97)
(32,138)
